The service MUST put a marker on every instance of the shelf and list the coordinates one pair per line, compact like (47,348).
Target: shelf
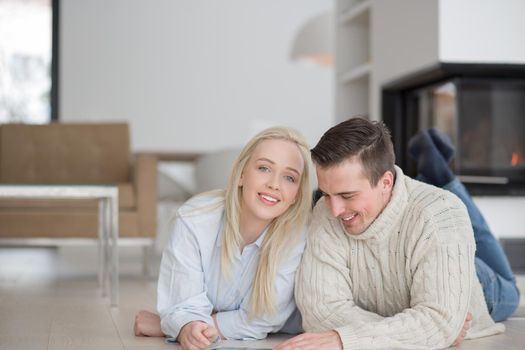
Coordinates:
(354,59)
(356,73)
(353,98)
(354,12)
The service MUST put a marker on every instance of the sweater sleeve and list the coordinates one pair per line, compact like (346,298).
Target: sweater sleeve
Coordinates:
(441,273)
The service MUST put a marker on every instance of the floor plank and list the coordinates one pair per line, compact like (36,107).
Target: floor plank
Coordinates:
(83,326)
(25,342)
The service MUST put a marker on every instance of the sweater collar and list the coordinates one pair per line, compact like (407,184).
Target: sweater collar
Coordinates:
(387,220)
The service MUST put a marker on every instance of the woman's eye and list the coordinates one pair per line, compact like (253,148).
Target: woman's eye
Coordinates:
(264,168)
(290,178)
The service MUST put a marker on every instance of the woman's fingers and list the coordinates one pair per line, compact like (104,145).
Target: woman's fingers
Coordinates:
(211,333)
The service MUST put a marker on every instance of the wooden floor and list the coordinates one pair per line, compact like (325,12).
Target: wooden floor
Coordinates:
(49,299)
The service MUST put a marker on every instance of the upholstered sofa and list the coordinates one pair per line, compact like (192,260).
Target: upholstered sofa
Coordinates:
(70,153)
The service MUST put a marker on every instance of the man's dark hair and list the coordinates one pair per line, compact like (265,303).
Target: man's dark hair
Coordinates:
(359,137)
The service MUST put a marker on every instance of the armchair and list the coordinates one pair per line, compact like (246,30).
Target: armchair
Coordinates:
(71,153)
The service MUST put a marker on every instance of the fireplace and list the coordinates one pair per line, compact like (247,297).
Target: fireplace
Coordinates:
(480,106)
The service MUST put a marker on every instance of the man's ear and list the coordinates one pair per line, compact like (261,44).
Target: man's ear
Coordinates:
(387,181)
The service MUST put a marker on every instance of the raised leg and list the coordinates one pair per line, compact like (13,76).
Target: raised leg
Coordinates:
(433,150)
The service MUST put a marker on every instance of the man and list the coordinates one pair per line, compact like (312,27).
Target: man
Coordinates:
(389,261)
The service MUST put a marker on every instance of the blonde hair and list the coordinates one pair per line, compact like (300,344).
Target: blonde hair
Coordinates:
(282,232)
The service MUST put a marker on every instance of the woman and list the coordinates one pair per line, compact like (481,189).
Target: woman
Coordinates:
(228,270)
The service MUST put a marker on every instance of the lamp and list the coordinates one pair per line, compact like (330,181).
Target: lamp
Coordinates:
(314,41)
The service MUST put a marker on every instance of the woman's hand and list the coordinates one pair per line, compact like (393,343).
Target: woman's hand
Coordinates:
(196,335)
(217,329)
(147,324)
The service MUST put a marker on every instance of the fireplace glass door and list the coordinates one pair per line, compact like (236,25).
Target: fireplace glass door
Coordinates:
(485,119)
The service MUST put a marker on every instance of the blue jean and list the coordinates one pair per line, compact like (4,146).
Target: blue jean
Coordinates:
(492,266)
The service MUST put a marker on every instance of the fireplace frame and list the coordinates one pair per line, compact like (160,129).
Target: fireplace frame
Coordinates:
(394,113)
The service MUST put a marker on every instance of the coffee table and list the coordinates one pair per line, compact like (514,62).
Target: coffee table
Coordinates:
(107,196)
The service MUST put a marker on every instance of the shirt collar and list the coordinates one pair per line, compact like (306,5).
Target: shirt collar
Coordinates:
(257,242)
(260,240)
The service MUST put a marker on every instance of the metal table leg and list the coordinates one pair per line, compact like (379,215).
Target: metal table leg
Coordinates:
(113,204)
(101,252)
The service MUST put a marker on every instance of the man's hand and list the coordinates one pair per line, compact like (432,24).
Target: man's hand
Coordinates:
(463,332)
(326,341)
(194,335)
(147,324)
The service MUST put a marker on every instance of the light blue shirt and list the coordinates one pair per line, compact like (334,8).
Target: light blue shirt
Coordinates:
(192,286)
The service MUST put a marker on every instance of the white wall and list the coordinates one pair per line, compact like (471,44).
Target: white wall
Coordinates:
(481,31)
(191,75)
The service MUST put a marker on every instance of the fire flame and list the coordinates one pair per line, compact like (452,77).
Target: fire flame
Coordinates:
(515,159)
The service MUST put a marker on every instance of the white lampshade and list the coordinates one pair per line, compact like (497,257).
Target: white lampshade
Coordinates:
(314,41)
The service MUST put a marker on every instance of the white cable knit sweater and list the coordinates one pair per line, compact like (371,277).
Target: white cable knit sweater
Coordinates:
(408,281)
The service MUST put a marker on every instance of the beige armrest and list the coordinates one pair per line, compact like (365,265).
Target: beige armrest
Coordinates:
(145,182)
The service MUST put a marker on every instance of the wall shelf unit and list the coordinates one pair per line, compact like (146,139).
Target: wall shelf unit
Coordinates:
(354,10)
(353,63)
(356,73)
